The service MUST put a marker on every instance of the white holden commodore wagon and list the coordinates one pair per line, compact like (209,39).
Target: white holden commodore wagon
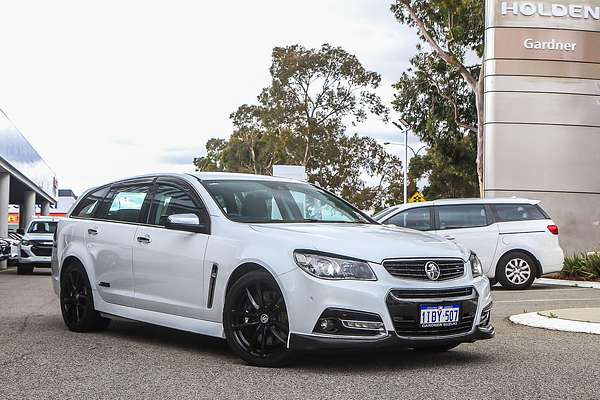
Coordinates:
(515,238)
(275,266)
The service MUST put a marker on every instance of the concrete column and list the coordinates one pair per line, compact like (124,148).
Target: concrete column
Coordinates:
(27,208)
(45,209)
(4,194)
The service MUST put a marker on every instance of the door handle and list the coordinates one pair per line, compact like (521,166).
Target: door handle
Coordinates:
(92,231)
(450,237)
(144,239)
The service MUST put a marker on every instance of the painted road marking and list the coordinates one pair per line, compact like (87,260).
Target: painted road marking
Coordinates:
(545,300)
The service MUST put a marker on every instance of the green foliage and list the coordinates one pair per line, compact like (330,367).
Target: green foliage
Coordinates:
(300,120)
(457,25)
(434,98)
(585,266)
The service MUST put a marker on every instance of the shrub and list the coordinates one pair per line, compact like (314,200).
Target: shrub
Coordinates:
(586,266)
(592,264)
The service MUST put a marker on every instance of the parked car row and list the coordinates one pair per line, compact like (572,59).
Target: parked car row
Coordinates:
(31,247)
(515,239)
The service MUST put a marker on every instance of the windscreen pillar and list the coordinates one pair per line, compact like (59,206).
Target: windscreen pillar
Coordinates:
(45,209)
(4,195)
(28,208)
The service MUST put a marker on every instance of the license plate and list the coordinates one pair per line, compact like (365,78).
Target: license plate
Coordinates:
(432,316)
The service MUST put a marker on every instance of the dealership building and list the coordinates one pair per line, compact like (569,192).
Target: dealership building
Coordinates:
(25,178)
(542,111)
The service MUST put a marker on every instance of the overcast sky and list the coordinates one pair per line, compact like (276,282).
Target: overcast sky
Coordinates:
(108,89)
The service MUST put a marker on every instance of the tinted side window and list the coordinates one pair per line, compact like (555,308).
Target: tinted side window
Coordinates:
(170,200)
(462,216)
(89,204)
(124,203)
(416,218)
(518,212)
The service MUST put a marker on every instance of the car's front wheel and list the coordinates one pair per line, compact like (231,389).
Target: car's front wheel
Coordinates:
(256,322)
(76,301)
(516,271)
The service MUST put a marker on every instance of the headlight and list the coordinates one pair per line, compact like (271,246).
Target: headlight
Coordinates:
(476,268)
(25,243)
(334,267)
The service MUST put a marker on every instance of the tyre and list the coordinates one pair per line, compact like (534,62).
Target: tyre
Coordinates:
(255,321)
(77,302)
(516,271)
(24,269)
(493,282)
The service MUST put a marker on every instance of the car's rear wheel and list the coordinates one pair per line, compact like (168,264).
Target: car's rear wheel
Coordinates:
(256,322)
(516,271)
(77,302)
(24,269)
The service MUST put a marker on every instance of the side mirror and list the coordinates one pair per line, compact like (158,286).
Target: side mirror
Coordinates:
(21,231)
(186,222)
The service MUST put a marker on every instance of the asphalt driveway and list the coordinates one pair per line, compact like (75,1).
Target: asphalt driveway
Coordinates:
(41,359)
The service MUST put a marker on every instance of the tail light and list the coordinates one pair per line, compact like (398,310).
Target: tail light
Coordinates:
(553,229)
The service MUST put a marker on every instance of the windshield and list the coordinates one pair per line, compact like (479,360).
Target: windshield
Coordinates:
(271,202)
(42,227)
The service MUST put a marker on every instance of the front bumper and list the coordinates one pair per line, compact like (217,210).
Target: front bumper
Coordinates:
(27,256)
(308,297)
(391,340)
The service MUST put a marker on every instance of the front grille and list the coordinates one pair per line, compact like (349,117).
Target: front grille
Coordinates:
(404,308)
(431,293)
(41,251)
(450,268)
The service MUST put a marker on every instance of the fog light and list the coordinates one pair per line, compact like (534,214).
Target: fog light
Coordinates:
(368,325)
(327,325)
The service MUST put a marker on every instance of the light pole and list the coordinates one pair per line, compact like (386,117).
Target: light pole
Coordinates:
(406,161)
(403,126)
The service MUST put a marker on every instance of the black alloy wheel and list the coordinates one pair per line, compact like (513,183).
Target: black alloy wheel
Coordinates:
(255,320)
(77,303)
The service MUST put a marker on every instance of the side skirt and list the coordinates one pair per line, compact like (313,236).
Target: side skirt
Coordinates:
(156,318)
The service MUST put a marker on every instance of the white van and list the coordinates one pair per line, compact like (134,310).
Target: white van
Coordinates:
(515,239)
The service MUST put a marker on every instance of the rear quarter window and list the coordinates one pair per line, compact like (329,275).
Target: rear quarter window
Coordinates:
(518,212)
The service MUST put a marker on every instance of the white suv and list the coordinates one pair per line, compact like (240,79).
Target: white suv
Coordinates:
(35,247)
(272,265)
(515,239)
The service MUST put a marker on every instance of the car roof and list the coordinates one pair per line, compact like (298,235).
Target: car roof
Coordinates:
(206,176)
(240,176)
(489,200)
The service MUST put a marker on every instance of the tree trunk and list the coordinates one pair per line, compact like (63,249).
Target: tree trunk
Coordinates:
(476,85)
